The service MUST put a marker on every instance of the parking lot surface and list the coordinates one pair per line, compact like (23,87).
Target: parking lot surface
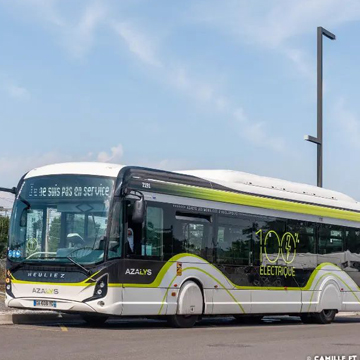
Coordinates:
(212,338)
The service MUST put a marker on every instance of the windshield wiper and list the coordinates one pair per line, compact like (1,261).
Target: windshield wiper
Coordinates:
(71,260)
(16,266)
(77,264)
(26,261)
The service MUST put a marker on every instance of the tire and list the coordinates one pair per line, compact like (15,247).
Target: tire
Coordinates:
(248,319)
(308,318)
(182,321)
(325,316)
(95,320)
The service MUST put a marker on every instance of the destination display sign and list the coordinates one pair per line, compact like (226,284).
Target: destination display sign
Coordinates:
(67,187)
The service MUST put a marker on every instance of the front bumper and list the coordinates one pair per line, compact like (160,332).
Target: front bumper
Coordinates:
(61,305)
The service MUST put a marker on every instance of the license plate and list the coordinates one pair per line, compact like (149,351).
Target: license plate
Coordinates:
(44,303)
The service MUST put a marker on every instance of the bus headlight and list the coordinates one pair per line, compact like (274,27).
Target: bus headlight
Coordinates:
(101,288)
(8,287)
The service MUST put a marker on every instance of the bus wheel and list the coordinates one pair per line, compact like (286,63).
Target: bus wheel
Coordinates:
(325,316)
(182,321)
(94,320)
(190,306)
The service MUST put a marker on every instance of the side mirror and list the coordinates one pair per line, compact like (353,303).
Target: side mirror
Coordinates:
(13,190)
(139,211)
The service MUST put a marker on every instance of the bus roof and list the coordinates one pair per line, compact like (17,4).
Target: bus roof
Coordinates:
(276,188)
(232,180)
(80,168)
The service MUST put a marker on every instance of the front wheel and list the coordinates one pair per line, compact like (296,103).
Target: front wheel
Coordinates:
(325,316)
(95,320)
(182,321)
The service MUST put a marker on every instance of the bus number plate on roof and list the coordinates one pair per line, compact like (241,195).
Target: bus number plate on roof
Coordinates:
(45,303)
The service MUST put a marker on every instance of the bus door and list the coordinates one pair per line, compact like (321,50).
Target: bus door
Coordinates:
(143,262)
(234,260)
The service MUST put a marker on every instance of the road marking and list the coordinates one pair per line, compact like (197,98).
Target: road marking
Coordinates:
(63,328)
(32,327)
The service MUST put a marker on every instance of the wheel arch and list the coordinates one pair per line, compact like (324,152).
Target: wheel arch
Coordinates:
(330,295)
(199,283)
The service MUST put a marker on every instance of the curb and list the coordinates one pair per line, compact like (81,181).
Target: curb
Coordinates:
(348,314)
(36,318)
(6,319)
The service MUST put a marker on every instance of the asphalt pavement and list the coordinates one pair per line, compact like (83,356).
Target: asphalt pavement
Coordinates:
(212,338)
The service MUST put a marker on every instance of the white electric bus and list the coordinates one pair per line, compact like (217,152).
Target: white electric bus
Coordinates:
(106,240)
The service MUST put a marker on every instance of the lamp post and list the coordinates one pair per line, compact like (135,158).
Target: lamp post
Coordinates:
(319,139)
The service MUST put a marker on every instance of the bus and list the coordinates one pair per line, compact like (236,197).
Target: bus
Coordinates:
(103,240)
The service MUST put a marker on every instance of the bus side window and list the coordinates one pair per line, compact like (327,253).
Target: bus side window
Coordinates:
(153,244)
(234,236)
(133,233)
(330,239)
(191,234)
(115,243)
(268,233)
(305,232)
(353,240)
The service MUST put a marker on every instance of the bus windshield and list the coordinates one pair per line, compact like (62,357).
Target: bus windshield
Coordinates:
(60,218)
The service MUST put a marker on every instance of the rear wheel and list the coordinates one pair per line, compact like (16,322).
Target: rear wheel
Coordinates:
(95,320)
(325,316)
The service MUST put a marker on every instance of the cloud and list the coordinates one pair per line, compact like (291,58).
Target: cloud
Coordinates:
(80,37)
(276,25)
(347,121)
(13,167)
(137,43)
(11,87)
(115,155)
(302,61)
(17,92)
(43,10)
(256,132)
(275,22)
(207,94)
(77,35)
(200,91)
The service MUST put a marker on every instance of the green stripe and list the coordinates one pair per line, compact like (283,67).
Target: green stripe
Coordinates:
(206,273)
(259,202)
(156,283)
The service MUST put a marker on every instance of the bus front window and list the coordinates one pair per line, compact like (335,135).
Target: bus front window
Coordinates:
(56,217)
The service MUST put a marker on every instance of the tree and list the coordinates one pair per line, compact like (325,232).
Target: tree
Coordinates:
(4,230)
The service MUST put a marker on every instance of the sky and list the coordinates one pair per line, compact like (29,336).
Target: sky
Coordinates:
(179,85)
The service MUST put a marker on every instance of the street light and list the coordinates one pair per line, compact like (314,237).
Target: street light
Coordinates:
(319,139)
